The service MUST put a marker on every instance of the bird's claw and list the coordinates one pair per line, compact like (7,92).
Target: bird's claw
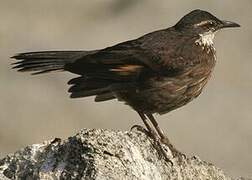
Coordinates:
(174,151)
(150,134)
(162,151)
(139,128)
(158,145)
(157,141)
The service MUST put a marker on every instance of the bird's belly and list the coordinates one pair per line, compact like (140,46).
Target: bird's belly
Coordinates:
(167,95)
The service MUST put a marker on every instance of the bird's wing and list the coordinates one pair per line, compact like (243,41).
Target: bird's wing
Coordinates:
(157,52)
(125,63)
(118,65)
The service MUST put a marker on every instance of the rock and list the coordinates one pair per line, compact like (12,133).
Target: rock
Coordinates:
(101,155)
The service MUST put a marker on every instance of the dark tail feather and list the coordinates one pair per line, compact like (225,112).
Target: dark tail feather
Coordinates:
(45,61)
(104,97)
(83,87)
(87,93)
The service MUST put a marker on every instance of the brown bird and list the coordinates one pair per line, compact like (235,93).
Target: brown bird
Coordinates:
(156,73)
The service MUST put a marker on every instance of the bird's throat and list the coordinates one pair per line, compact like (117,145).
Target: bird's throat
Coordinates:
(205,39)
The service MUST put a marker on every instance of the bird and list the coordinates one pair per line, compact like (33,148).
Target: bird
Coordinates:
(153,74)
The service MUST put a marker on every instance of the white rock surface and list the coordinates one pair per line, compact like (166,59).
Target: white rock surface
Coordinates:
(101,155)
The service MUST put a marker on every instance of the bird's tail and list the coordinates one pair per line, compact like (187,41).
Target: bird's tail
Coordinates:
(45,61)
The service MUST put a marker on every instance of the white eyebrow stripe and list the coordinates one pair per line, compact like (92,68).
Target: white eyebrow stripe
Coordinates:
(202,23)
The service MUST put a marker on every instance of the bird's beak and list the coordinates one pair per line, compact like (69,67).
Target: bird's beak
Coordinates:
(228,24)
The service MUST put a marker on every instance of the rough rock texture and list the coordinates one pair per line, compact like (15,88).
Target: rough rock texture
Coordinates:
(102,154)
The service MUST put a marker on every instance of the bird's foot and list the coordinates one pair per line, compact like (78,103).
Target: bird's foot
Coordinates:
(150,133)
(175,152)
(140,128)
(157,143)
(162,151)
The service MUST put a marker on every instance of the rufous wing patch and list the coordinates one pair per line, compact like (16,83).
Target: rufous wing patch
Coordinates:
(126,69)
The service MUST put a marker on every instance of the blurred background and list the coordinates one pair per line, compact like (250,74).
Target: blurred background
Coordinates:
(217,126)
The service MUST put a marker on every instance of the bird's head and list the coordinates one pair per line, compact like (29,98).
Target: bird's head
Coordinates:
(203,23)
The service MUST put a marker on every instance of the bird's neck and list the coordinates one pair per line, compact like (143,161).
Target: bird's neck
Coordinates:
(205,39)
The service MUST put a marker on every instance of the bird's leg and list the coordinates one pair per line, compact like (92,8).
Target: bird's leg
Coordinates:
(160,132)
(150,131)
(157,140)
(164,139)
